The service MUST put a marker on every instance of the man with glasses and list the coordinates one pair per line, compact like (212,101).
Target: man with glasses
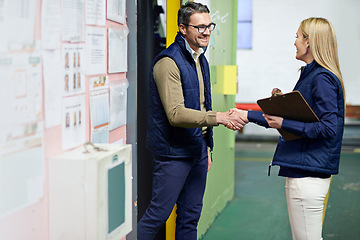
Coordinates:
(180,121)
(202,28)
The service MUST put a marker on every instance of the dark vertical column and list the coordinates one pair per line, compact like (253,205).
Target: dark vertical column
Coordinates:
(146,53)
(131,126)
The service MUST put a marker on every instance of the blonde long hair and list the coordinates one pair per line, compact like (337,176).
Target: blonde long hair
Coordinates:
(323,45)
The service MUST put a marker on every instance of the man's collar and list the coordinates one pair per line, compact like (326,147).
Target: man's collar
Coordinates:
(190,50)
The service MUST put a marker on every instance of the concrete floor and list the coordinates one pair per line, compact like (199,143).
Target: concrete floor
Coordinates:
(258,210)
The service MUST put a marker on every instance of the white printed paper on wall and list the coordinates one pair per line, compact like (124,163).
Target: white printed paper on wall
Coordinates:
(118,103)
(73,65)
(95,12)
(53,87)
(95,50)
(21,132)
(73,121)
(3,28)
(17,24)
(50,24)
(118,45)
(99,109)
(20,101)
(73,20)
(116,10)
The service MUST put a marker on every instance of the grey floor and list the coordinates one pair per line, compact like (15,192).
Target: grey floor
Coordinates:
(258,210)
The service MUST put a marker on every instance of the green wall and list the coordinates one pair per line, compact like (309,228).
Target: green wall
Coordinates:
(220,182)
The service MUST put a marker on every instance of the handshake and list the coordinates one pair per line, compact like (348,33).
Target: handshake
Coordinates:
(236,119)
(233,119)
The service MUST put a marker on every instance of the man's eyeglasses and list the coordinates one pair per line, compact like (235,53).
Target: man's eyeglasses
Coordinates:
(202,28)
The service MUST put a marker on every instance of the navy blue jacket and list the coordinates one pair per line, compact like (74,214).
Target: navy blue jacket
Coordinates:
(319,148)
(175,142)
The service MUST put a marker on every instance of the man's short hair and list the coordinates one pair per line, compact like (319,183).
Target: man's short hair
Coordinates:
(189,9)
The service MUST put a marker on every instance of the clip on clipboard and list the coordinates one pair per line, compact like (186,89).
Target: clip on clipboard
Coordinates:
(290,106)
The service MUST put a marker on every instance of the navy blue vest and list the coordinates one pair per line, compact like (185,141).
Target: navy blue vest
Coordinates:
(320,155)
(163,139)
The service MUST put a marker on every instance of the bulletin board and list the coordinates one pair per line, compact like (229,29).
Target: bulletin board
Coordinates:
(61,61)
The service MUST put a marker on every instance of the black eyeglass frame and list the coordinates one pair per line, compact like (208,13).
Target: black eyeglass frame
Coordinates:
(211,27)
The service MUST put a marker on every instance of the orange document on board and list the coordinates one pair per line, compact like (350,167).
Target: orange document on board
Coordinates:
(290,106)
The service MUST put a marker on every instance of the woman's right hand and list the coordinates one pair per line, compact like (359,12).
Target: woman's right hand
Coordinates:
(276,92)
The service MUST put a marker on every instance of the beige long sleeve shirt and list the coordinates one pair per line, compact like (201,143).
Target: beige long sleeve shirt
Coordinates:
(167,78)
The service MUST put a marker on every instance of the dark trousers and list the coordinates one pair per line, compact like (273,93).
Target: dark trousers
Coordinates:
(180,181)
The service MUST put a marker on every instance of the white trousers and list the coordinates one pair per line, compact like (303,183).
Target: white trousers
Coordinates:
(305,200)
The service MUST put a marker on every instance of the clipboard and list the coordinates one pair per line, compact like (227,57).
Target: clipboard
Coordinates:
(290,106)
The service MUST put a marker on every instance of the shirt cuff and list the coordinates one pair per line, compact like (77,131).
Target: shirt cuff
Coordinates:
(211,118)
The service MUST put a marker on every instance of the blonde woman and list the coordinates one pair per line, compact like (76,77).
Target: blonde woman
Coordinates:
(309,162)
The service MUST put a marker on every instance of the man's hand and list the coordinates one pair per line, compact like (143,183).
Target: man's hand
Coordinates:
(274,121)
(209,160)
(232,119)
(242,114)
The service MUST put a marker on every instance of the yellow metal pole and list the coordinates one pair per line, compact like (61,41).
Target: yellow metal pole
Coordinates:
(172,7)
(171,225)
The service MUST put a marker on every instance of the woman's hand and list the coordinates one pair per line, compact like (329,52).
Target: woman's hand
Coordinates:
(276,92)
(274,121)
